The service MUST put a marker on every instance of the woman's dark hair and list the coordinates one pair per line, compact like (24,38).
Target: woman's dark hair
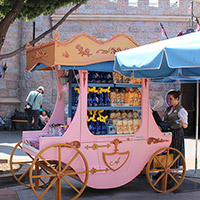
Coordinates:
(175,94)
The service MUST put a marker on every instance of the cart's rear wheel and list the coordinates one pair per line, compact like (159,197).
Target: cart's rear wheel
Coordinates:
(60,175)
(162,170)
(25,163)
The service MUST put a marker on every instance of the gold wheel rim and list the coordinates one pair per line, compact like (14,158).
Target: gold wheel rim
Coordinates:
(19,178)
(165,171)
(20,162)
(59,174)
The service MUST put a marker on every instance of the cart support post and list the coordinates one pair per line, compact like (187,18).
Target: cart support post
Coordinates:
(197,127)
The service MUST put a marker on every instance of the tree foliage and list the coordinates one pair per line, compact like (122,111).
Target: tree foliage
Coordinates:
(34,8)
(10,10)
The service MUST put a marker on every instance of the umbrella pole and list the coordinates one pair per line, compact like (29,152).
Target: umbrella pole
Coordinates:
(197,127)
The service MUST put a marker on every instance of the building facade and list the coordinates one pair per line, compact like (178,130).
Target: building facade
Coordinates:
(102,18)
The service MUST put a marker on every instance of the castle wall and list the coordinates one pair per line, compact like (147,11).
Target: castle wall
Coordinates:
(101,18)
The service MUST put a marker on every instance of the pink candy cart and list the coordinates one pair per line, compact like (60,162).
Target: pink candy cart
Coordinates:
(61,156)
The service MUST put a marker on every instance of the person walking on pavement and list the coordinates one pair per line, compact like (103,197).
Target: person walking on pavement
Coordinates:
(35,99)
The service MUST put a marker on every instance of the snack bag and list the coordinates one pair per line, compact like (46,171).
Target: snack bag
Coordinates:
(118,115)
(130,115)
(119,125)
(125,79)
(124,114)
(135,101)
(122,98)
(137,124)
(118,98)
(113,98)
(112,115)
(139,98)
(131,97)
(135,114)
(125,126)
(115,77)
(120,78)
(126,96)
(130,126)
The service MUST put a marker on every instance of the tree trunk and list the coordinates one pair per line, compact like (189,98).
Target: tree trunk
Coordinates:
(8,20)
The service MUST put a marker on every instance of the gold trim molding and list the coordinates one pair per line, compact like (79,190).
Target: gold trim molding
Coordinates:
(96,146)
(157,18)
(152,140)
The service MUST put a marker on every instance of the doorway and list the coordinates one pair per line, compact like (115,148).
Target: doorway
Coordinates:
(188,101)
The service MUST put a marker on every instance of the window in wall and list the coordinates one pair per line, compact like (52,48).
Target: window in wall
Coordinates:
(174,3)
(133,3)
(153,3)
(113,0)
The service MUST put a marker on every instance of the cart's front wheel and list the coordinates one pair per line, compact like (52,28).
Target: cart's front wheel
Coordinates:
(166,170)
(61,175)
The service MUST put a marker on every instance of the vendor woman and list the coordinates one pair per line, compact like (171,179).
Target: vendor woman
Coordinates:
(177,117)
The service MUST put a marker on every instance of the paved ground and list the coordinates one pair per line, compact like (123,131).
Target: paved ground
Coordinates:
(138,189)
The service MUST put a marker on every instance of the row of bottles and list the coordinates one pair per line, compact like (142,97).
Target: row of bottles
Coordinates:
(100,77)
(99,96)
(125,97)
(119,78)
(96,96)
(107,77)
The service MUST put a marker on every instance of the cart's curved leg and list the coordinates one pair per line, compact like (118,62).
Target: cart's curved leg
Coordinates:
(61,174)
(161,170)
(26,161)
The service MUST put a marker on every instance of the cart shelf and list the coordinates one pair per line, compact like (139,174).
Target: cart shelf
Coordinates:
(110,85)
(112,108)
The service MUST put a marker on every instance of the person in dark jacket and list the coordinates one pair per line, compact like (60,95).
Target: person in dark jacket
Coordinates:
(35,99)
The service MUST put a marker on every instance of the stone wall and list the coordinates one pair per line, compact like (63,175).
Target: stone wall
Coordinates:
(101,18)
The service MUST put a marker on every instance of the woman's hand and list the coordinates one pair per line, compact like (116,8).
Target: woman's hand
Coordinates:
(184,125)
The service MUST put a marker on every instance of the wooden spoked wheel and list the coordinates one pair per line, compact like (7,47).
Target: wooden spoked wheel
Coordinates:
(21,178)
(166,170)
(61,175)
(27,160)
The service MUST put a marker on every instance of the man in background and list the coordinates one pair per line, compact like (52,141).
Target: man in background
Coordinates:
(35,100)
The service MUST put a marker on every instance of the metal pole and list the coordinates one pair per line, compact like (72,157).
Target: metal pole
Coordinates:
(197,128)
(33,31)
(192,13)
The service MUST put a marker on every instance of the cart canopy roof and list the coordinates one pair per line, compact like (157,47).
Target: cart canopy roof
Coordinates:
(82,52)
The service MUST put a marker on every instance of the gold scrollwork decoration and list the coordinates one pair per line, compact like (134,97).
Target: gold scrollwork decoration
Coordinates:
(116,142)
(39,54)
(96,146)
(111,50)
(65,54)
(153,140)
(76,144)
(93,170)
(83,52)
(56,36)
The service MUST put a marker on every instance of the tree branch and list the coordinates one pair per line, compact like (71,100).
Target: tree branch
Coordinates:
(8,20)
(17,51)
